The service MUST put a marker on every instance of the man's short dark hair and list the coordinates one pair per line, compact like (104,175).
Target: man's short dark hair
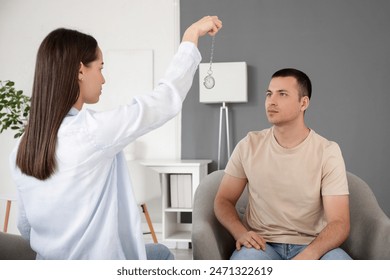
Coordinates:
(302,79)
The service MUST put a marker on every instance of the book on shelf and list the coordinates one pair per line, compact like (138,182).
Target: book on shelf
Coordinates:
(174,191)
(181,190)
(185,185)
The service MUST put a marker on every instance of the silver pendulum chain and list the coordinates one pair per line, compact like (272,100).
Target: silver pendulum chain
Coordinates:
(210,72)
(209,80)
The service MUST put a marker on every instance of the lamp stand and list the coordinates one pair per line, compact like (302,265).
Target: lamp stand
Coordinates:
(226,109)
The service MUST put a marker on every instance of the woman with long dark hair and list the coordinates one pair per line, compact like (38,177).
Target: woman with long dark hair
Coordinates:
(75,195)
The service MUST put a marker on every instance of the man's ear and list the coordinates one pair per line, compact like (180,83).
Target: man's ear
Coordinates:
(305,101)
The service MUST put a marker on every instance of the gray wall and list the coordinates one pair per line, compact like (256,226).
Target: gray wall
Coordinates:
(344,47)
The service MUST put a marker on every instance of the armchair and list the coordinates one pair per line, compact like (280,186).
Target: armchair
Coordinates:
(369,237)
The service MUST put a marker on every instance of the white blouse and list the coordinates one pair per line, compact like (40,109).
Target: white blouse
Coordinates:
(87,209)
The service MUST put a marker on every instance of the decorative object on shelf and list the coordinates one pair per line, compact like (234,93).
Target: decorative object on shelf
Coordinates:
(14,108)
(231,87)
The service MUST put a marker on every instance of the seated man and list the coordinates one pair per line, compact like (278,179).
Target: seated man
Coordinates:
(298,194)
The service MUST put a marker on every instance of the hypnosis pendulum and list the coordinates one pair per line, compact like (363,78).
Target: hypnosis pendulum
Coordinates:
(209,80)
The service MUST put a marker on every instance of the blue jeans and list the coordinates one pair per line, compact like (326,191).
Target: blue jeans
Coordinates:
(279,251)
(156,251)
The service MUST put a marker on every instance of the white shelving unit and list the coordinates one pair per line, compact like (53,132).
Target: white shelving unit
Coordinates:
(173,229)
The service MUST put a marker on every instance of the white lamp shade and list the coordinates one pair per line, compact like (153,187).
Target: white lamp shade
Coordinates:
(231,84)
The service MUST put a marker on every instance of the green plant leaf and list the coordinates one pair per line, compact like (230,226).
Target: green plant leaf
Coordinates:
(14,108)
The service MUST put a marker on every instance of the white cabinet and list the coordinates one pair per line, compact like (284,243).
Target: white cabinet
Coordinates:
(173,227)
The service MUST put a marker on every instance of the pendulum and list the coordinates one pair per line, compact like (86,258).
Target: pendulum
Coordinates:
(209,80)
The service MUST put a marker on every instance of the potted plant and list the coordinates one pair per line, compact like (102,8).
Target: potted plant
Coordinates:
(14,108)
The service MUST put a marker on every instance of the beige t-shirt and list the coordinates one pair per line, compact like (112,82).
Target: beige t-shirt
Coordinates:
(286,185)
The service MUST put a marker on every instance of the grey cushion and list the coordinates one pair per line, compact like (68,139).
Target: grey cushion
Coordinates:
(370,227)
(14,247)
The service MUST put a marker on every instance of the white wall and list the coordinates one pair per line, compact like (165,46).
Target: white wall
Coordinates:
(117,25)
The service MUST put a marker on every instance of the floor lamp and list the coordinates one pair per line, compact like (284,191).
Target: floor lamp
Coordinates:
(230,87)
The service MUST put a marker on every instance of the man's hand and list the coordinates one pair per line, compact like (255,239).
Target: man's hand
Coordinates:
(250,239)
